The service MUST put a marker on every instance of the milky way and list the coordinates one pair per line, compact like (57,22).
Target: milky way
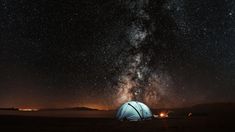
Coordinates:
(138,80)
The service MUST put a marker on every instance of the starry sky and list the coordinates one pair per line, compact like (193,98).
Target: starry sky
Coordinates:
(102,53)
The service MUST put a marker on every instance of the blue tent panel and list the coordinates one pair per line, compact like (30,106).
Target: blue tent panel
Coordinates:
(134,111)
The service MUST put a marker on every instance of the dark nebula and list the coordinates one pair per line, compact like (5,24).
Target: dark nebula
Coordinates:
(165,53)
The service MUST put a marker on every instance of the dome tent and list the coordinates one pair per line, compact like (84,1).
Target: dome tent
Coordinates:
(134,111)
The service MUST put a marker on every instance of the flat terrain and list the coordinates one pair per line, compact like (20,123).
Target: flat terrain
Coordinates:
(30,123)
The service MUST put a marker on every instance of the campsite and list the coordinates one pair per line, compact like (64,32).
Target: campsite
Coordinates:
(215,117)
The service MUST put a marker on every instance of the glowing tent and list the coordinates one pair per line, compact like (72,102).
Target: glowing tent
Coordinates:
(134,111)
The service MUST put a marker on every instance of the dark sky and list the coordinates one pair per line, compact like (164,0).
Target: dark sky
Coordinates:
(101,53)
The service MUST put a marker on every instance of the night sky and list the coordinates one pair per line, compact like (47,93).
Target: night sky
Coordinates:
(102,53)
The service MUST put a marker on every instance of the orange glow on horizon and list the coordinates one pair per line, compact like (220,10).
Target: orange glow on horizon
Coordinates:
(27,109)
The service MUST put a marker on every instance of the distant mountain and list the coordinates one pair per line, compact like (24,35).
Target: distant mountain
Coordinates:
(12,109)
(215,107)
(221,105)
(70,109)
(56,109)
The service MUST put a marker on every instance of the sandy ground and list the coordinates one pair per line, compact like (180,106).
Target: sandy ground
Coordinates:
(77,121)
(63,113)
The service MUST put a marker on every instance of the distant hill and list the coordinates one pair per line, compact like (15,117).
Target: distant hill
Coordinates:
(70,109)
(56,109)
(11,109)
(216,107)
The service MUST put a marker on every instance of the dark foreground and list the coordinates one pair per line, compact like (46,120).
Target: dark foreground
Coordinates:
(63,124)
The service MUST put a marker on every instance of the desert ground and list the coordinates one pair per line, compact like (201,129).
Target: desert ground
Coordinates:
(77,121)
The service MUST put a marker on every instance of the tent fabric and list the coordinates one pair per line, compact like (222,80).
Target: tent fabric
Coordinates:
(134,111)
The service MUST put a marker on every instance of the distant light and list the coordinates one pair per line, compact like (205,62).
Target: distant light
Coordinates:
(27,110)
(163,115)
